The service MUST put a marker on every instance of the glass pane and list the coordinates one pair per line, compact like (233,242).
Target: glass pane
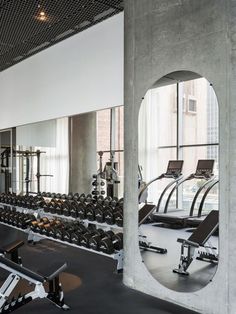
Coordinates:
(158,117)
(154,165)
(200,112)
(119,128)
(103,130)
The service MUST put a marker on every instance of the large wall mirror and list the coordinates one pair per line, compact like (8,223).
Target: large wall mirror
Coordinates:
(65,155)
(179,181)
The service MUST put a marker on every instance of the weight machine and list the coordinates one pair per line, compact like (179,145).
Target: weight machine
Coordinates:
(106,180)
(27,154)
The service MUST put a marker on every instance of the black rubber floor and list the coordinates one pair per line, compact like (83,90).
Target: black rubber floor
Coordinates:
(91,285)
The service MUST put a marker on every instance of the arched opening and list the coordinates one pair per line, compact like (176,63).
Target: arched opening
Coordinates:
(179,181)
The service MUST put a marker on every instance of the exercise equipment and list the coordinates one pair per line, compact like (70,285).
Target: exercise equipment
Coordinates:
(178,217)
(110,244)
(17,272)
(195,221)
(174,171)
(199,239)
(95,240)
(12,250)
(144,244)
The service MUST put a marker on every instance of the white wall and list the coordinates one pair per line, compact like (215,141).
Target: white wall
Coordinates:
(81,74)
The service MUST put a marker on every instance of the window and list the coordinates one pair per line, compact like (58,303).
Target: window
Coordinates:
(179,121)
(192,105)
(110,135)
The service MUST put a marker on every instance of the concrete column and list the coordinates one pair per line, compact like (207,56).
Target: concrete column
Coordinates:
(83,158)
(161,37)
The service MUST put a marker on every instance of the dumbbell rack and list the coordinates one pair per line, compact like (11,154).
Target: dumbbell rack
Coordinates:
(36,237)
(85,221)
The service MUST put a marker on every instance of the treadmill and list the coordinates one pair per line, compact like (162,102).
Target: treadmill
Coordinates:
(174,171)
(178,217)
(195,221)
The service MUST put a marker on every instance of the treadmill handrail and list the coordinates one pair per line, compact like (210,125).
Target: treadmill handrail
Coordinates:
(164,191)
(149,183)
(208,181)
(205,195)
(174,189)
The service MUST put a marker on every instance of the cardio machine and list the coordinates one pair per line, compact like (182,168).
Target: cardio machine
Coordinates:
(178,217)
(174,171)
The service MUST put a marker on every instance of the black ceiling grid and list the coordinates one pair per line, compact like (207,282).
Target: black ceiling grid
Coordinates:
(23,33)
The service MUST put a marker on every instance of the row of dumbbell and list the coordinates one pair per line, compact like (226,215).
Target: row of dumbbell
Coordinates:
(103,210)
(34,202)
(14,218)
(76,233)
(24,201)
(109,214)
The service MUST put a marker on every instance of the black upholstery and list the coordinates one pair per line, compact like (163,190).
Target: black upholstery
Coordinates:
(205,229)
(21,269)
(11,247)
(53,270)
(144,212)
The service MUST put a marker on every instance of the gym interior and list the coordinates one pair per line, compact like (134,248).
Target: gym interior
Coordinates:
(117,171)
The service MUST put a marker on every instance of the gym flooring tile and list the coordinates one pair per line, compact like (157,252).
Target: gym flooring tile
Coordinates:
(90,282)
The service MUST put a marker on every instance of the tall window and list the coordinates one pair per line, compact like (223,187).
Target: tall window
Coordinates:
(179,121)
(110,135)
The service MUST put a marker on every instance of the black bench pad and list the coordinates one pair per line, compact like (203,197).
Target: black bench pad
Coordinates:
(21,269)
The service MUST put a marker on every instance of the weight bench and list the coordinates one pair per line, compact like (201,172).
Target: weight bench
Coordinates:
(144,213)
(18,272)
(12,250)
(199,238)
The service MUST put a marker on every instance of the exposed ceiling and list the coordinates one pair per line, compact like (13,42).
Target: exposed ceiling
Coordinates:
(29,26)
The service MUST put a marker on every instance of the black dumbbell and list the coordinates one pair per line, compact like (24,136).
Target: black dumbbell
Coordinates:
(118,215)
(76,197)
(81,210)
(70,197)
(58,195)
(109,246)
(77,233)
(95,240)
(90,212)
(109,215)
(99,213)
(73,210)
(66,209)
(82,198)
(84,241)
(89,198)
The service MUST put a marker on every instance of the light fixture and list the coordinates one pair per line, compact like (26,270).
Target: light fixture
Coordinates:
(41,15)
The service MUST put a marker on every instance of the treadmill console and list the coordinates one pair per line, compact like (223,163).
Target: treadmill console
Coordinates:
(174,168)
(205,168)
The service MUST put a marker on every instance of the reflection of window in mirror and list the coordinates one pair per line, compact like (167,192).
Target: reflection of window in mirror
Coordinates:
(178,121)
(110,137)
(51,139)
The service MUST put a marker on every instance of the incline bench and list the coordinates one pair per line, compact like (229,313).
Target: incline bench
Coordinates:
(144,213)
(199,238)
(18,272)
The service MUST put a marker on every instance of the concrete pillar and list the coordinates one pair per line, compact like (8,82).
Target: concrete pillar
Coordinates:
(83,155)
(161,37)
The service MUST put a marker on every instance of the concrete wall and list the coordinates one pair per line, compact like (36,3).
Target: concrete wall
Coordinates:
(163,36)
(83,156)
(80,74)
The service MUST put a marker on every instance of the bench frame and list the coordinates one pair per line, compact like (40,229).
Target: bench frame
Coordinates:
(199,239)
(17,272)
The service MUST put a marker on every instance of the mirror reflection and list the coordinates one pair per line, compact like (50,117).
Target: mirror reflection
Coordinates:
(78,154)
(179,181)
